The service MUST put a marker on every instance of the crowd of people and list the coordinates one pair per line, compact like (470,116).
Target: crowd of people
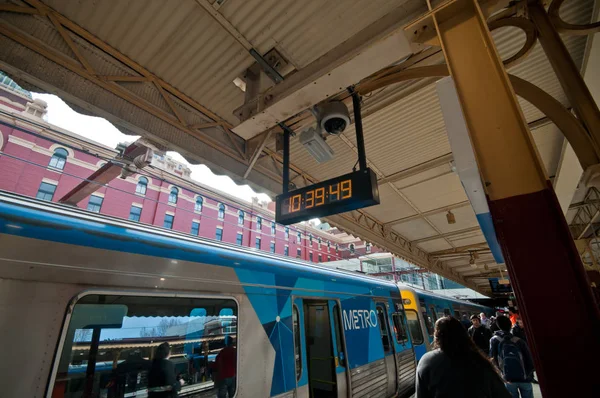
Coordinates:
(477,357)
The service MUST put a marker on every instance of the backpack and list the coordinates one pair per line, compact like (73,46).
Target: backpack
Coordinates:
(510,359)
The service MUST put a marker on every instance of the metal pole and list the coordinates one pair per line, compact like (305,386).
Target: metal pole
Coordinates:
(360,141)
(286,160)
(567,72)
(527,218)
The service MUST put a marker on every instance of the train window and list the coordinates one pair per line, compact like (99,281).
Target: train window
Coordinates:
(297,346)
(446,312)
(414,327)
(401,336)
(428,323)
(383,329)
(116,345)
(433,313)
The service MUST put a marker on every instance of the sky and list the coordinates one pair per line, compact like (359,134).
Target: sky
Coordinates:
(103,132)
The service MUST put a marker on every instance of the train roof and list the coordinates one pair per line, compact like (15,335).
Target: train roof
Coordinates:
(17,209)
(431,294)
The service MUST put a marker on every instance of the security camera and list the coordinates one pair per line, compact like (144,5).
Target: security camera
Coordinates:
(333,117)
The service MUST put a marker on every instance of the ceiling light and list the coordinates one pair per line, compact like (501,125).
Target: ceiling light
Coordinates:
(162,279)
(450,217)
(240,84)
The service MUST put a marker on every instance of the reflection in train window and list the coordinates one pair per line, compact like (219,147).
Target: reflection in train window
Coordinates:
(428,323)
(385,339)
(111,347)
(414,328)
(433,313)
(401,336)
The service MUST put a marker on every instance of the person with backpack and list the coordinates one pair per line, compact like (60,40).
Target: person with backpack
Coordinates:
(512,356)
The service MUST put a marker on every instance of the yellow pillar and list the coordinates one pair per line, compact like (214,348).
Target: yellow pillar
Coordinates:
(545,269)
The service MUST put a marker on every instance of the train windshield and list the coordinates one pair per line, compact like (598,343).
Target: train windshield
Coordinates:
(120,345)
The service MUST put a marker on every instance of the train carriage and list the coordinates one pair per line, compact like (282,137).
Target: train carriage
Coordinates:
(87,298)
(423,309)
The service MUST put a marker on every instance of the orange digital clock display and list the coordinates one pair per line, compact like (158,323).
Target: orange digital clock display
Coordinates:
(320,196)
(344,193)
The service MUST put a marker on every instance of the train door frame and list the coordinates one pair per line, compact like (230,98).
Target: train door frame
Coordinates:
(341,381)
(390,355)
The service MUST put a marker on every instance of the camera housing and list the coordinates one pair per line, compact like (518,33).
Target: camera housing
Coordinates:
(334,117)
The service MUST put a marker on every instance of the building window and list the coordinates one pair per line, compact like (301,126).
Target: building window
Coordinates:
(320,258)
(299,238)
(298,252)
(221,211)
(142,186)
(239,238)
(328,258)
(240,217)
(287,233)
(328,246)
(257,244)
(310,257)
(258,223)
(46,191)
(219,234)
(272,247)
(95,203)
(195,228)
(273,226)
(368,247)
(173,195)
(351,248)
(150,319)
(168,223)
(199,203)
(337,249)
(59,158)
(319,242)
(286,250)
(310,240)
(135,213)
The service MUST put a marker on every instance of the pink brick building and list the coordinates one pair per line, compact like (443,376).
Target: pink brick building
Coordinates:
(41,160)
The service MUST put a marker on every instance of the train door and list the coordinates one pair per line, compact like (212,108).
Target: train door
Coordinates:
(405,355)
(388,348)
(323,357)
(339,351)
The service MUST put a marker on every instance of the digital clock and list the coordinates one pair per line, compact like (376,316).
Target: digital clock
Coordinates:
(337,195)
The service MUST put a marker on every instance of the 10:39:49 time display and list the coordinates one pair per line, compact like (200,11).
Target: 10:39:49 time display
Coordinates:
(320,196)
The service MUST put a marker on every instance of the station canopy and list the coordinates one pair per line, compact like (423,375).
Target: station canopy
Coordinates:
(211,79)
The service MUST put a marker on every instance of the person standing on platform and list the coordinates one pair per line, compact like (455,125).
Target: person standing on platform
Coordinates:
(485,321)
(480,334)
(518,330)
(513,314)
(225,365)
(512,356)
(162,382)
(456,367)
(465,322)
(494,325)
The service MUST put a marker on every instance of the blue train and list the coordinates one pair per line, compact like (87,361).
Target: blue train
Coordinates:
(83,291)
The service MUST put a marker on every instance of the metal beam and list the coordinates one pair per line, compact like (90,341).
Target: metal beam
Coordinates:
(378,45)
(429,213)
(446,235)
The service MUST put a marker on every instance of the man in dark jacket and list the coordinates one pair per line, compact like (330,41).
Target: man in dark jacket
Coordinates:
(480,334)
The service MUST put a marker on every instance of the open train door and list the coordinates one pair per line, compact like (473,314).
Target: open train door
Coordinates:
(322,345)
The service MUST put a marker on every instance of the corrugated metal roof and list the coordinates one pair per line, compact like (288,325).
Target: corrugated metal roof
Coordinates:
(182,43)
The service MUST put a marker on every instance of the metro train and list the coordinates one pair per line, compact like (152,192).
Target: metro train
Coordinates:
(81,289)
